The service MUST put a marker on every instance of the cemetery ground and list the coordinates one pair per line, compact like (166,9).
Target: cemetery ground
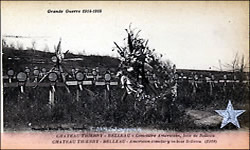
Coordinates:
(31,111)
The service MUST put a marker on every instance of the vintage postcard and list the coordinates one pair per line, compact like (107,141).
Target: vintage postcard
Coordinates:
(124,75)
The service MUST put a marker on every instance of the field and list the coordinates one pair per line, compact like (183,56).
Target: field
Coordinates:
(190,111)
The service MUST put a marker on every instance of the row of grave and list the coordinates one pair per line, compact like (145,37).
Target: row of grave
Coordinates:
(75,74)
(93,76)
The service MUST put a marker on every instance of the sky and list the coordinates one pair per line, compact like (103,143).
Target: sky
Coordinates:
(193,35)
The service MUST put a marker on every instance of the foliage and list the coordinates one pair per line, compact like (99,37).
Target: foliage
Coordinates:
(153,80)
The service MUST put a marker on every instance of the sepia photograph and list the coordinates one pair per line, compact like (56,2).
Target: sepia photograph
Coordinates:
(125,74)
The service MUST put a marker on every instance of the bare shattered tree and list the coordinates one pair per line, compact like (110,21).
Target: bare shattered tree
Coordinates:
(238,64)
(151,81)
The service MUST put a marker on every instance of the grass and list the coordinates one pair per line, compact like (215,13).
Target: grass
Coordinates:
(31,109)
